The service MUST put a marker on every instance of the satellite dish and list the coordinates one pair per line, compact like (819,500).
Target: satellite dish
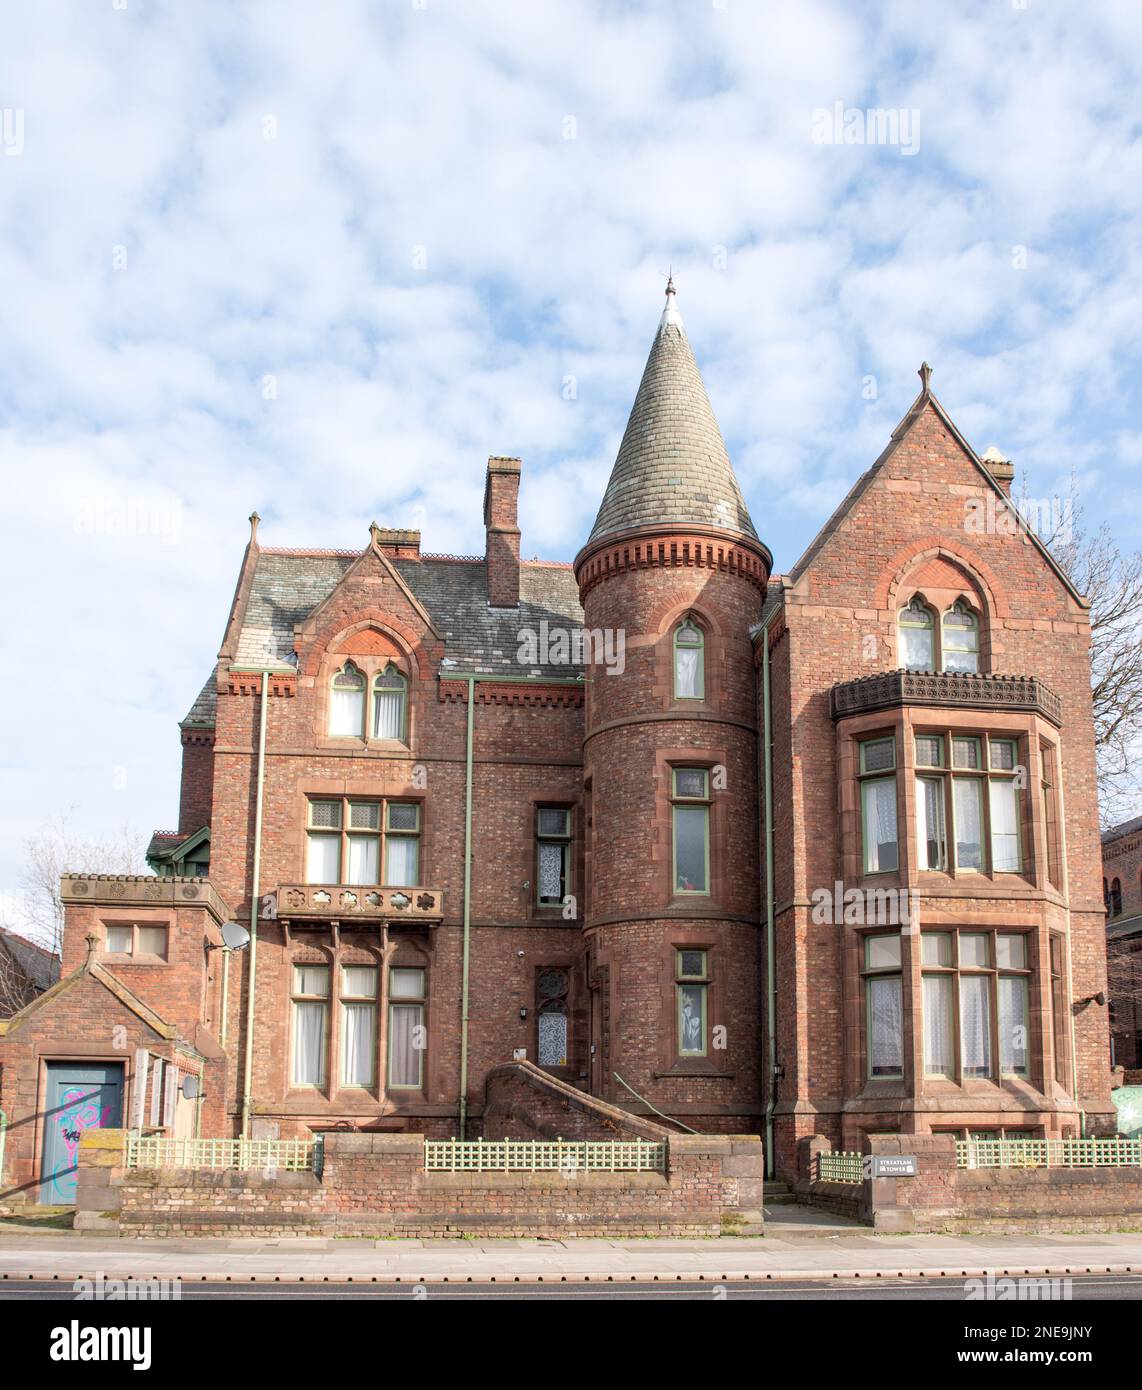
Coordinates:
(189,1087)
(234,936)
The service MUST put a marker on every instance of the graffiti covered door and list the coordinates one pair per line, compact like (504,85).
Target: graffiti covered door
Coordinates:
(80,1095)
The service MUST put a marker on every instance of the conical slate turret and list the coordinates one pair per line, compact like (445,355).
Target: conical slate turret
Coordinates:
(672,465)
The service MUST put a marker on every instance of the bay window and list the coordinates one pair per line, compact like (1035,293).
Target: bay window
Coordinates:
(979,802)
(975,998)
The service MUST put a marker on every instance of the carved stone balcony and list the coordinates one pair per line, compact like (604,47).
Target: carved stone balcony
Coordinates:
(355,904)
(945,690)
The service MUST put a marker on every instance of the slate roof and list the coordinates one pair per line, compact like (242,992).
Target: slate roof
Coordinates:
(288,585)
(1126,828)
(37,963)
(672,464)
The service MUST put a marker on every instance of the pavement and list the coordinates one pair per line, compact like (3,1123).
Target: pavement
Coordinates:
(787,1253)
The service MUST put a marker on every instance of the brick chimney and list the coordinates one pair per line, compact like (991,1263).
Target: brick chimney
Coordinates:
(1000,468)
(501,521)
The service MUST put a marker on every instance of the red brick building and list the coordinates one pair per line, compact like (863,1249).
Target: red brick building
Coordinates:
(1122,896)
(791,854)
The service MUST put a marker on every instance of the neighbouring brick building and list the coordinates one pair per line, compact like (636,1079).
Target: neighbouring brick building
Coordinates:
(1122,896)
(487,807)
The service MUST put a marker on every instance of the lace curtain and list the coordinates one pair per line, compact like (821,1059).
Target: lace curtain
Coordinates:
(969,849)
(686,673)
(1004,826)
(975,1025)
(1012,1023)
(938,1059)
(401,861)
(886,1039)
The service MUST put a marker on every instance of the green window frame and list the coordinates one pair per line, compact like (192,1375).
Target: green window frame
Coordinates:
(690,817)
(355,840)
(878,806)
(348,696)
(692,998)
(689,676)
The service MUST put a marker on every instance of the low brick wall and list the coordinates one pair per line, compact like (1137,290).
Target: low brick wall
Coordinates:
(945,1198)
(375,1185)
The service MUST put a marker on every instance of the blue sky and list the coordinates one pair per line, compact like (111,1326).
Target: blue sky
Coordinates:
(322,260)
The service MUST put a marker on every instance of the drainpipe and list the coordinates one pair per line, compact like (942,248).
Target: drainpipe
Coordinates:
(3,1141)
(467,909)
(770,965)
(225,995)
(254,902)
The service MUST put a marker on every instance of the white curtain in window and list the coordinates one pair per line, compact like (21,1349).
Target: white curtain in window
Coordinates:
(969,846)
(323,859)
(880,825)
(347,712)
(309,1044)
(686,673)
(364,859)
(938,1059)
(405,1023)
(358,1038)
(1004,826)
(886,1034)
(1013,1024)
(930,821)
(975,1025)
(401,861)
(388,713)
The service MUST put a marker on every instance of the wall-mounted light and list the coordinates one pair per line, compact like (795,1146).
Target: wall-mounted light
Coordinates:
(523,1013)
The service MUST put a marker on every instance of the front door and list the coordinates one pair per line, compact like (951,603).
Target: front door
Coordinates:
(80,1095)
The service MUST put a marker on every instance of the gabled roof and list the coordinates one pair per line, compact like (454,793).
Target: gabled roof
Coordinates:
(287,587)
(39,966)
(672,464)
(925,399)
(91,967)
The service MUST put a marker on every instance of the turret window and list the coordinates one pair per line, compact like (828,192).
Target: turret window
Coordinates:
(691,819)
(689,662)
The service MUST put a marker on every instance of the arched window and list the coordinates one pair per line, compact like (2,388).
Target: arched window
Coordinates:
(1116,898)
(689,662)
(347,703)
(961,638)
(917,637)
(389,699)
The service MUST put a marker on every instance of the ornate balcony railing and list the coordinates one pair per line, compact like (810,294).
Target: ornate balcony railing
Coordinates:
(945,689)
(345,901)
